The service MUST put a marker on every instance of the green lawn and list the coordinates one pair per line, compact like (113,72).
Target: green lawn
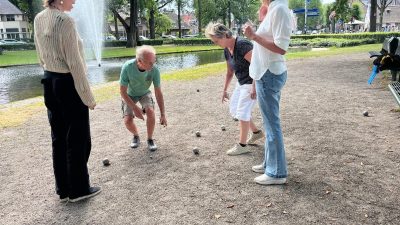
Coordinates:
(10,58)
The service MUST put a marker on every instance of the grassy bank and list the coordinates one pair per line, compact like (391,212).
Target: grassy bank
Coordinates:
(14,114)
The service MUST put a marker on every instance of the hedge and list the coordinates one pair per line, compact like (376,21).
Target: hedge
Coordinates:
(192,41)
(27,46)
(378,36)
(331,42)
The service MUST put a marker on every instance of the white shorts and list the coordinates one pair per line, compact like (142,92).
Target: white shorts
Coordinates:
(241,103)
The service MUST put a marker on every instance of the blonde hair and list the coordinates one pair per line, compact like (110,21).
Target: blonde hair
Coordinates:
(217,30)
(144,49)
(47,3)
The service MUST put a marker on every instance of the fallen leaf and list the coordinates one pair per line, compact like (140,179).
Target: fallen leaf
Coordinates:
(269,204)
(230,206)
(217,216)
(327,192)
(284,212)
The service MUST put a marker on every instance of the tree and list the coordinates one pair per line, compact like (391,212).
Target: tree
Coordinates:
(372,16)
(179,4)
(131,28)
(221,10)
(153,7)
(29,7)
(382,7)
(162,23)
(199,16)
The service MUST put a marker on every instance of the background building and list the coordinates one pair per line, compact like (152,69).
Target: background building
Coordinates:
(13,22)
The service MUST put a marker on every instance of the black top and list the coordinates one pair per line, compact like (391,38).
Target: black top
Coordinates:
(237,61)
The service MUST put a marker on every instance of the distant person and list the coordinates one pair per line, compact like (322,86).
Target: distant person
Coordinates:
(137,75)
(268,68)
(67,96)
(237,53)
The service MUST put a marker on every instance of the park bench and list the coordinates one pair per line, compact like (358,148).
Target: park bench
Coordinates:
(395,89)
(388,59)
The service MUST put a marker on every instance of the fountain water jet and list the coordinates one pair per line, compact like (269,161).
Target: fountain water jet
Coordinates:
(89,18)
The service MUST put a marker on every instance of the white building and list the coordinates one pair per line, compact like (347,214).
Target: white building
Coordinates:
(13,22)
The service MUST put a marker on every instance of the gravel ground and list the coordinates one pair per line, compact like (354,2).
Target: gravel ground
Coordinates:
(344,168)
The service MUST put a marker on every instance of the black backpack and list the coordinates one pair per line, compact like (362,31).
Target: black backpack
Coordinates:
(389,59)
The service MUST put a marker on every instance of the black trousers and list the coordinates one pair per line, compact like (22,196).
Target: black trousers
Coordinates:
(70,133)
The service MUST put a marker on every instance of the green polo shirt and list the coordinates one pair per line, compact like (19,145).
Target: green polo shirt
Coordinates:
(138,82)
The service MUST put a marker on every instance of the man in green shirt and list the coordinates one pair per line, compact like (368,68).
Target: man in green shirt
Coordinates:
(137,75)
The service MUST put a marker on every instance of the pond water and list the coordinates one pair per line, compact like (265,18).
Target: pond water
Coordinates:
(22,82)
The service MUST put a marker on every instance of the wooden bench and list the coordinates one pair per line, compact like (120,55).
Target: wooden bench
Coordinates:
(395,89)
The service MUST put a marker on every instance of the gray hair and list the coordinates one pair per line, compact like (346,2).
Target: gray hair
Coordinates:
(217,30)
(144,49)
(47,3)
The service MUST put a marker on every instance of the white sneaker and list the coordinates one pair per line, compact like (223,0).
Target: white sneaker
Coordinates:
(258,168)
(255,137)
(238,149)
(267,180)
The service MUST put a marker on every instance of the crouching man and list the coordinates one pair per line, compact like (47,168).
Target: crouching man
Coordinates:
(136,77)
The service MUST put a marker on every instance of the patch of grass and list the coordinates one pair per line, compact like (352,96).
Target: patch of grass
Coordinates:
(335,51)
(14,114)
(196,72)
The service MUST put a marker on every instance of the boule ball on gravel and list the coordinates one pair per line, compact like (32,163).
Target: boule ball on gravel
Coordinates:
(106,162)
(223,128)
(198,134)
(196,151)
(365,113)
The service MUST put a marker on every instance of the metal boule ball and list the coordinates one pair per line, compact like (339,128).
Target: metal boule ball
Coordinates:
(196,151)
(106,162)
(198,90)
(223,128)
(198,134)
(365,113)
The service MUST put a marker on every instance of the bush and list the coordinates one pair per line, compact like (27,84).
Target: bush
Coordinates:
(331,42)
(114,43)
(192,41)
(377,36)
(151,42)
(27,46)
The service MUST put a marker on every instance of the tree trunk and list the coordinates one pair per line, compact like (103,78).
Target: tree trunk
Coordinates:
(199,17)
(179,18)
(372,16)
(126,26)
(116,27)
(381,11)
(133,34)
(229,14)
(152,24)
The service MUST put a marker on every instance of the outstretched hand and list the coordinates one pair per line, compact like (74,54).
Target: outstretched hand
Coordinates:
(163,120)
(225,96)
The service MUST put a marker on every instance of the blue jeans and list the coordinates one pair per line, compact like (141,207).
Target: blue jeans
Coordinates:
(269,94)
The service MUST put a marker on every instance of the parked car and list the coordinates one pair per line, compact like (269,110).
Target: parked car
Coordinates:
(11,42)
(314,32)
(109,38)
(190,36)
(142,38)
(122,39)
(168,37)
